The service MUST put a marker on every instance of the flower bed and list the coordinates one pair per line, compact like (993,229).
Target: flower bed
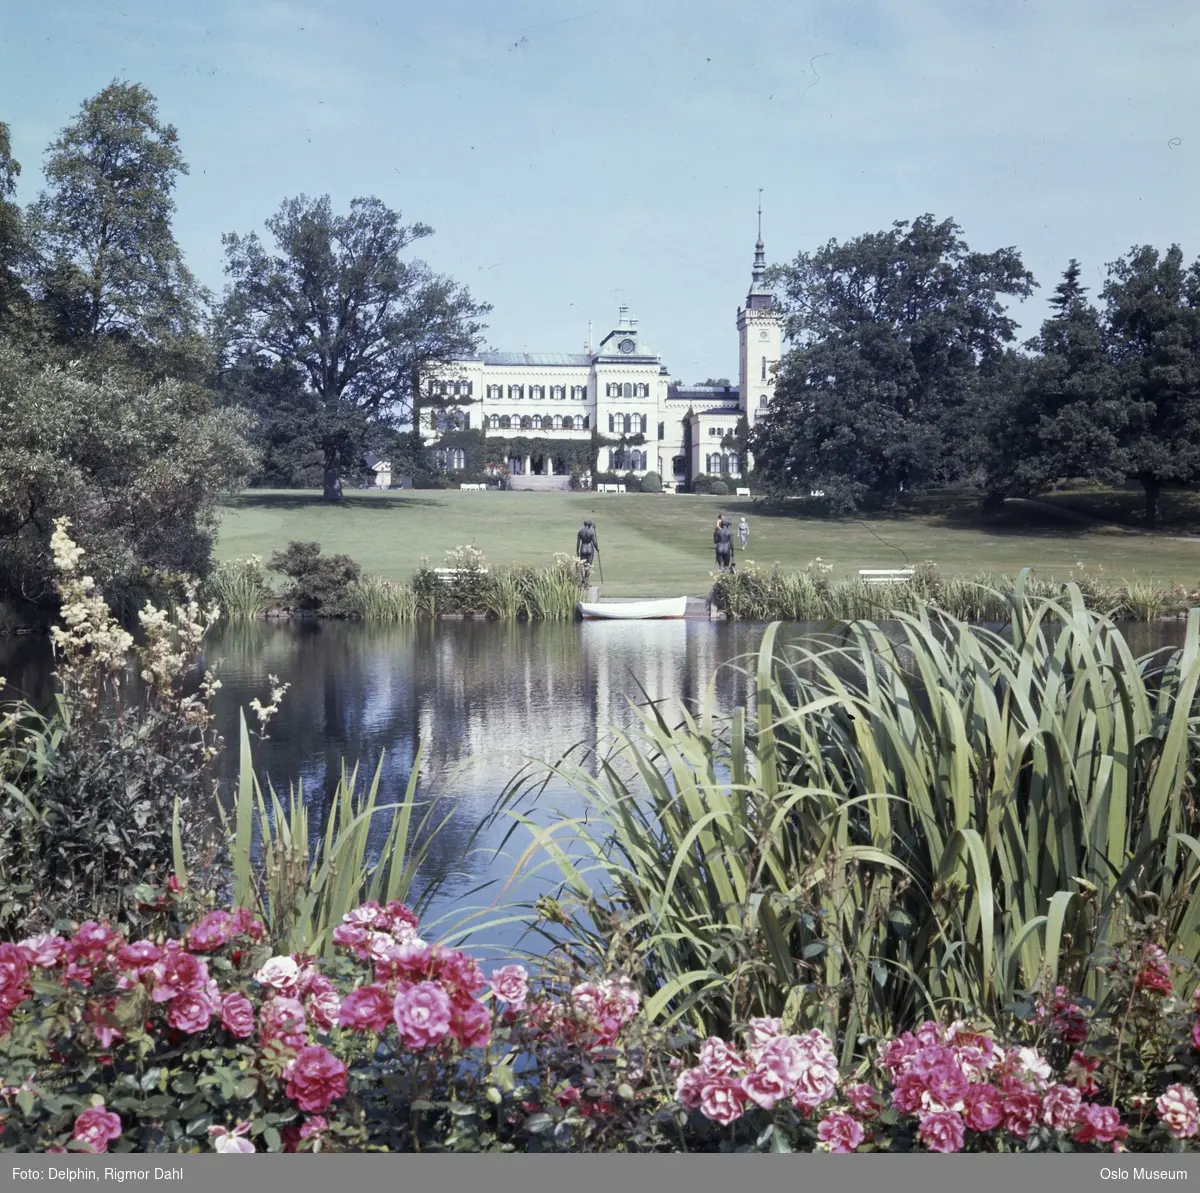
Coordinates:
(202,1040)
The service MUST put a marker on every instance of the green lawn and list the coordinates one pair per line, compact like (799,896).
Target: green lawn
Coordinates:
(661,545)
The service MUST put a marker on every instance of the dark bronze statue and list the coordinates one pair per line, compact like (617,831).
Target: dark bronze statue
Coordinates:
(723,544)
(587,547)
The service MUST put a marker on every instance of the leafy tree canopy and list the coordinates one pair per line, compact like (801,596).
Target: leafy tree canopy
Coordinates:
(1153,315)
(337,305)
(107,261)
(894,333)
(12,232)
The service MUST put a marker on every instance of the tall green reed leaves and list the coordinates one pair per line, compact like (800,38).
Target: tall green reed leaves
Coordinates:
(914,817)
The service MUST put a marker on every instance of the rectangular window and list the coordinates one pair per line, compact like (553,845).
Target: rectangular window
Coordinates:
(662,431)
(764,368)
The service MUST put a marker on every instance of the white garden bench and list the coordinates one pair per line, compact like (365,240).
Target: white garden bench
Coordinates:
(741,493)
(885,575)
(471,488)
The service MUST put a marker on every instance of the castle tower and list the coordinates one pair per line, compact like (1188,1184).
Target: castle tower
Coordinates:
(760,336)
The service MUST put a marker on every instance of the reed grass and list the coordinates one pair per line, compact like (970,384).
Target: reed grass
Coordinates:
(935,819)
(755,593)
(300,882)
(240,588)
(375,599)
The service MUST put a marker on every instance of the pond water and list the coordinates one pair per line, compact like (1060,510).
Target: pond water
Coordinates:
(484,697)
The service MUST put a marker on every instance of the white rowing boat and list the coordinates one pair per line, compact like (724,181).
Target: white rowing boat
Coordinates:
(673,607)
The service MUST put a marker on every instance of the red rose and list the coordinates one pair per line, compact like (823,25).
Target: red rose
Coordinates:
(316,1078)
(237,1015)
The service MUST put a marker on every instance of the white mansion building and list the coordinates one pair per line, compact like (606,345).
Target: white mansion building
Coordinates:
(619,390)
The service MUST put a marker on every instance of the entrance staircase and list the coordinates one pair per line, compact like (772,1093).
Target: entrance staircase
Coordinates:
(540,484)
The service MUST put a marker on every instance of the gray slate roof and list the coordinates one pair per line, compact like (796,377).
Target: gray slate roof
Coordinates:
(575,359)
(703,393)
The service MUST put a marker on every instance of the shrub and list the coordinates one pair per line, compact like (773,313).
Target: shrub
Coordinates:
(651,483)
(375,599)
(718,488)
(321,584)
(107,787)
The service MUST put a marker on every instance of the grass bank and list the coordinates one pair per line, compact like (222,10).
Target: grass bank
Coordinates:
(657,545)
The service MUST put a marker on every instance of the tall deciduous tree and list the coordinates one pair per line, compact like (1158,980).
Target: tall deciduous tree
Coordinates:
(1067,415)
(339,301)
(895,334)
(1153,314)
(109,264)
(12,233)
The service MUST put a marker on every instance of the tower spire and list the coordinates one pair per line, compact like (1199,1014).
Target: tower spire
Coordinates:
(760,258)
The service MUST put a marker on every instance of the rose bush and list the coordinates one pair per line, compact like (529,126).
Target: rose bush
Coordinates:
(196,1036)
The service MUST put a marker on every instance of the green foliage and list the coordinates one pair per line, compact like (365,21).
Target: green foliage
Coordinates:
(896,332)
(718,488)
(378,600)
(108,261)
(1066,414)
(301,882)
(469,588)
(240,589)
(94,794)
(136,467)
(651,483)
(931,819)
(1153,315)
(321,584)
(337,305)
(13,246)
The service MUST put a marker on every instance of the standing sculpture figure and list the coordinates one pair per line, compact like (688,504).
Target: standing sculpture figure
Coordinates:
(587,547)
(723,544)
(744,532)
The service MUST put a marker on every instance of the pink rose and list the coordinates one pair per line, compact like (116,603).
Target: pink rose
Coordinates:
(511,984)
(721,1100)
(140,956)
(368,915)
(457,972)
(231,1141)
(984,1107)
(1155,974)
(190,1011)
(718,1059)
(764,1087)
(245,924)
(90,941)
(422,1014)
(942,1131)
(213,931)
(863,1098)
(1099,1124)
(313,1126)
(1179,1110)
(1081,1073)
(839,1132)
(352,937)
(689,1087)
(816,1084)
(315,1079)
(14,970)
(283,1019)
(1196,1035)
(366,1009)
(410,962)
(762,1032)
(176,972)
(400,916)
(1021,1109)
(44,951)
(280,973)
(1060,1107)
(96,1128)
(471,1024)
(237,1015)
(323,1003)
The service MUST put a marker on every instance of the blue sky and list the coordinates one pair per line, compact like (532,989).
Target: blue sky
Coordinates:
(573,155)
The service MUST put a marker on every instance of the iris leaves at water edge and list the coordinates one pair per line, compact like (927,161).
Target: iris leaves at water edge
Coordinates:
(300,885)
(916,817)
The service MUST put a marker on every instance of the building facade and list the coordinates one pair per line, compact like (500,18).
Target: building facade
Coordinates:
(617,404)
